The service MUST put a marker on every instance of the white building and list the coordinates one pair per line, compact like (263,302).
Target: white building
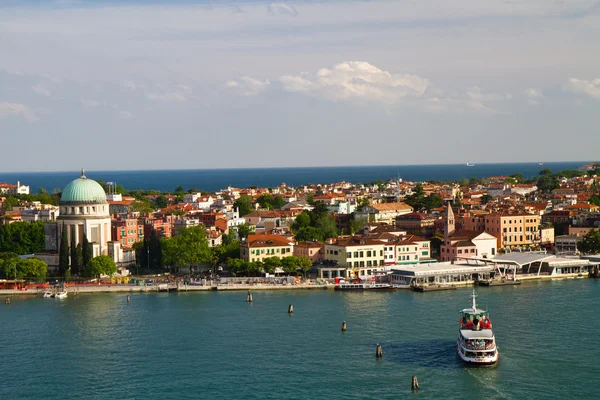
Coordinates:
(10,189)
(84,211)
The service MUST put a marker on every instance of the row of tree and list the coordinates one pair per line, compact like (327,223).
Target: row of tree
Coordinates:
(22,237)
(290,265)
(12,266)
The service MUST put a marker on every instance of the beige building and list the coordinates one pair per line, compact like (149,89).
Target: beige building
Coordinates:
(258,247)
(511,230)
(386,212)
(314,251)
(360,256)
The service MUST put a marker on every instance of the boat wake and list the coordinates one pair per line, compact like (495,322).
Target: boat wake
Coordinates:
(488,385)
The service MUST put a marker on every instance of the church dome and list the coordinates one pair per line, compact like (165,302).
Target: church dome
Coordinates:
(83,191)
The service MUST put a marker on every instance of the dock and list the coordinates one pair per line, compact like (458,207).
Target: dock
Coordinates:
(432,288)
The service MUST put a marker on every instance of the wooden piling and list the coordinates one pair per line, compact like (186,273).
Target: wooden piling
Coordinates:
(378,351)
(291,309)
(414,384)
(7,301)
(128,299)
(344,326)
(249,298)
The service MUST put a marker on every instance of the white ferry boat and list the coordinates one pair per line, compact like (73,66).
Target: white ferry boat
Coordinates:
(364,286)
(476,343)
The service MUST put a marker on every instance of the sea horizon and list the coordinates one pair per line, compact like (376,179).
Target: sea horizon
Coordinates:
(214,179)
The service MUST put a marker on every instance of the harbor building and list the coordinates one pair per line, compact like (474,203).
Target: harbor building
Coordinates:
(84,211)
(258,247)
(465,243)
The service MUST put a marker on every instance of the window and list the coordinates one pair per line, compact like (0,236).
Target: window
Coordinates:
(356,254)
(369,263)
(361,254)
(369,253)
(459,251)
(349,255)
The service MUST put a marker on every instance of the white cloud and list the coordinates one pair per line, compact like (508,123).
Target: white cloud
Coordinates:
(478,96)
(132,85)
(125,114)
(167,96)
(533,96)
(247,86)
(17,110)
(281,9)
(89,103)
(580,86)
(39,89)
(356,80)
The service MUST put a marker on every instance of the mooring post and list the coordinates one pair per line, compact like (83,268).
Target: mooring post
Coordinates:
(249,298)
(378,351)
(291,309)
(344,326)
(414,384)
(128,299)
(7,301)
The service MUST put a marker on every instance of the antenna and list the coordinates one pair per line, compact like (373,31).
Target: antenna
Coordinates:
(474,303)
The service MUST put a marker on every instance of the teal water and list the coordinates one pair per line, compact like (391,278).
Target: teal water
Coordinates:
(216,346)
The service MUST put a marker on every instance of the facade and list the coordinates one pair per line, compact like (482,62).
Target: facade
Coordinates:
(511,230)
(465,243)
(314,251)
(386,212)
(127,231)
(10,189)
(361,257)
(258,247)
(84,211)
(416,224)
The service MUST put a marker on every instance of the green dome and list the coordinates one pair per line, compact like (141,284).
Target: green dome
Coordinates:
(83,190)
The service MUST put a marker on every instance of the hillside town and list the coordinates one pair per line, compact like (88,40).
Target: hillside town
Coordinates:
(343,229)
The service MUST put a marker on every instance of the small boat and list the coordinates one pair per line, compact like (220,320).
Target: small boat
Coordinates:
(540,163)
(432,288)
(364,286)
(497,282)
(476,344)
(167,287)
(48,295)
(61,295)
(470,164)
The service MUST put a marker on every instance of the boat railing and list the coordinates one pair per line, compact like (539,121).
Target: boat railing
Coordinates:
(478,344)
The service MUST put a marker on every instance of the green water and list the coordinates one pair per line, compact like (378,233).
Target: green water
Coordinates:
(216,346)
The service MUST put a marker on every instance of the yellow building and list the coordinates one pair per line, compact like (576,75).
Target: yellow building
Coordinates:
(259,247)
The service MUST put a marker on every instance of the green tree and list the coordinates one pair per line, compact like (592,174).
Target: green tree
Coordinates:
(290,264)
(305,264)
(217,254)
(271,263)
(161,201)
(590,244)
(179,189)
(594,199)
(244,205)
(243,231)
(75,266)
(545,172)
(32,268)
(63,254)
(22,237)
(188,248)
(485,199)
(235,266)
(364,202)
(100,265)
(86,250)
(547,183)
(278,202)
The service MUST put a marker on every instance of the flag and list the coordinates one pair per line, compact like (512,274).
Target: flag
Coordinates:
(109,183)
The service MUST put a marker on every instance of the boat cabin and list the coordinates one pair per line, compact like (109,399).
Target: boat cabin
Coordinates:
(439,274)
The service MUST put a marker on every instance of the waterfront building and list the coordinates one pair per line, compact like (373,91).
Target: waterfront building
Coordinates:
(464,243)
(85,211)
(359,256)
(127,231)
(313,250)
(10,189)
(386,212)
(258,247)
(416,223)
(439,273)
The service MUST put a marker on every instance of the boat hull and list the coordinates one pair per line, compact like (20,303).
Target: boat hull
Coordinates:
(483,361)
(362,287)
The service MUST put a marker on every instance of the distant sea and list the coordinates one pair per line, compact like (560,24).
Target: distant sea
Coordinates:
(211,180)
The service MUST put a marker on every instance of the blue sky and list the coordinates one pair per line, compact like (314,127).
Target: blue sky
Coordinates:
(224,84)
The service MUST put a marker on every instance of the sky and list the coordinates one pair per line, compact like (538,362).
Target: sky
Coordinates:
(109,85)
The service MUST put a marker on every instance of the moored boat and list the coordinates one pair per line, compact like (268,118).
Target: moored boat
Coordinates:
(61,295)
(364,286)
(48,295)
(476,343)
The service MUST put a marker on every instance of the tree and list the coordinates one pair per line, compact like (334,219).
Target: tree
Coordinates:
(179,189)
(244,205)
(22,237)
(545,172)
(355,226)
(243,231)
(547,183)
(290,264)
(235,266)
(86,250)
(364,202)
(189,247)
(32,268)
(75,266)
(216,255)
(271,263)
(161,201)
(305,264)
(594,199)
(100,265)
(63,254)
(590,244)
(485,198)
